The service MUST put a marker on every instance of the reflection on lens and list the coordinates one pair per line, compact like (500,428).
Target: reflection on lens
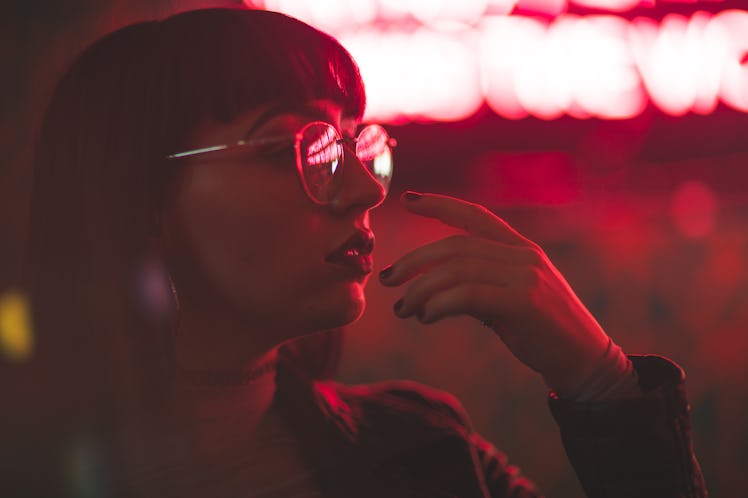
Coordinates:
(373,149)
(321,145)
(383,165)
(321,153)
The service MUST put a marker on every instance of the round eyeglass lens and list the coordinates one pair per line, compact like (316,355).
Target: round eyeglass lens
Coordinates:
(374,151)
(320,154)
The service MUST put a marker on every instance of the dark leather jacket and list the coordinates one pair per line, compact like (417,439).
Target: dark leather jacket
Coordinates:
(402,439)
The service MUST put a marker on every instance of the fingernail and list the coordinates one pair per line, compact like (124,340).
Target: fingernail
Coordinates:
(385,274)
(398,305)
(412,196)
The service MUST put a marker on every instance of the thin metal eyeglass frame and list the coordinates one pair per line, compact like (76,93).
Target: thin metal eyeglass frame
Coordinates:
(351,142)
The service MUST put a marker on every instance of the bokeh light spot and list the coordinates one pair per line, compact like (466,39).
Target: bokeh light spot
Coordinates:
(85,469)
(16,335)
(693,206)
(542,178)
(154,289)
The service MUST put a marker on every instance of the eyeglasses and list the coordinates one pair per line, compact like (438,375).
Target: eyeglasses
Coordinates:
(319,156)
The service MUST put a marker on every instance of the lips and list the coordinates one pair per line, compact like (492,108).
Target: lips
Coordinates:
(355,252)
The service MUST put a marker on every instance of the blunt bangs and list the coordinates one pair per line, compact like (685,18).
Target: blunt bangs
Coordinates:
(227,61)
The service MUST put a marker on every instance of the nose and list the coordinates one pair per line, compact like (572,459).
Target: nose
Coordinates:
(358,188)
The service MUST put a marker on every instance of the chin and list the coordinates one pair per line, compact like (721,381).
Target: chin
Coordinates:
(349,311)
(339,309)
(356,301)
(354,312)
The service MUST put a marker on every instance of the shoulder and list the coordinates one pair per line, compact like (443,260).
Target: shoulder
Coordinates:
(422,438)
(397,403)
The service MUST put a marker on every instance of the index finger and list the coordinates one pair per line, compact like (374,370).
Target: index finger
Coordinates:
(471,217)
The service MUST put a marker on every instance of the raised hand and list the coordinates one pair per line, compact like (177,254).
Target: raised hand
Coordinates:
(498,276)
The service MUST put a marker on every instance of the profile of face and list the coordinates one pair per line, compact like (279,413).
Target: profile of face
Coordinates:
(244,236)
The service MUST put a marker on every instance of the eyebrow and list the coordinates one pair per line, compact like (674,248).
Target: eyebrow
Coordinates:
(308,109)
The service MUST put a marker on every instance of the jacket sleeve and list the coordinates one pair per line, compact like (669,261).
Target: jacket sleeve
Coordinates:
(502,479)
(499,479)
(637,447)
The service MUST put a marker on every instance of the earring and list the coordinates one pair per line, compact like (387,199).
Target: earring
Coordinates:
(174,293)
(177,305)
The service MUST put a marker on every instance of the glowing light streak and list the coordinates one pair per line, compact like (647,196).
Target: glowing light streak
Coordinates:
(501,7)
(603,77)
(612,5)
(593,66)
(578,66)
(329,15)
(734,81)
(679,62)
(340,15)
(428,11)
(422,75)
(505,43)
(546,7)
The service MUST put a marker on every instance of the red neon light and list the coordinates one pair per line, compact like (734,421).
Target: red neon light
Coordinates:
(601,66)
(339,15)
(583,66)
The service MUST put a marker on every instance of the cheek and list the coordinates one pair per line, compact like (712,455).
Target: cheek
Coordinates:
(262,251)
(251,244)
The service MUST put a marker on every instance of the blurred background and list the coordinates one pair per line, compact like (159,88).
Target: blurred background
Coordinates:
(612,132)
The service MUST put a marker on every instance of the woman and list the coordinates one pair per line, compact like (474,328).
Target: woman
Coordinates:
(199,234)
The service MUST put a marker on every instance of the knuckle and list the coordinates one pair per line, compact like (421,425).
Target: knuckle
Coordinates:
(455,242)
(471,294)
(527,278)
(533,254)
(479,209)
(475,269)
(405,264)
(419,290)
(459,268)
(452,271)
(533,276)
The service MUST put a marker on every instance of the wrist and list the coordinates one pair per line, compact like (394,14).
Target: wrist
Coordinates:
(578,371)
(614,379)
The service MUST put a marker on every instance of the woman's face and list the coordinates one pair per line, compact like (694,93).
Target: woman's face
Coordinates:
(244,234)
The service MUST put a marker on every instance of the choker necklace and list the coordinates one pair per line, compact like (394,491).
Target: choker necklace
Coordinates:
(226,378)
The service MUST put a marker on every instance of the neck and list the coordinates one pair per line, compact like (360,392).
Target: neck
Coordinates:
(224,409)
(217,340)
(225,370)
(250,373)
(225,379)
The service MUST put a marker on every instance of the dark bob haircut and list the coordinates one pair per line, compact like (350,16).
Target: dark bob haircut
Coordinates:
(100,180)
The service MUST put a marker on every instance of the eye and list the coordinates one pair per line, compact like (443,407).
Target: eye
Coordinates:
(277,151)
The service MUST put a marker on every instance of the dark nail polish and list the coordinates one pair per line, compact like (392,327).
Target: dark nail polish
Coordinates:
(412,196)
(386,273)
(398,305)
